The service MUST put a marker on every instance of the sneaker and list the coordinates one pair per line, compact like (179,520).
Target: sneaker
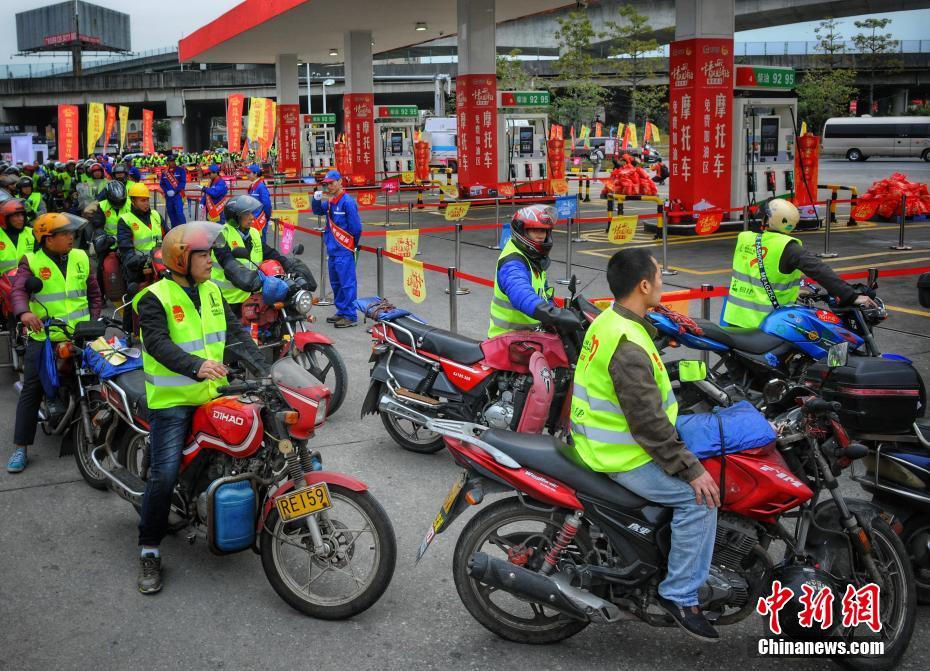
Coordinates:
(17,462)
(149,574)
(343,323)
(332,320)
(691,619)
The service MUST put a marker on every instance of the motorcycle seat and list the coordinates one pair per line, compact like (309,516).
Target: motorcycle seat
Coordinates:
(544,454)
(439,341)
(133,385)
(753,341)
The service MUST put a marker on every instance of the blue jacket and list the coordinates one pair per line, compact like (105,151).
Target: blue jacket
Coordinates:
(513,278)
(216,192)
(344,213)
(257,189)
(180,174)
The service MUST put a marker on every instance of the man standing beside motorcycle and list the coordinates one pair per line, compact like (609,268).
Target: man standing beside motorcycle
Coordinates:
(69,293)
(173,182)
(623,416)
(768,266)
(187,330)
(342,235)
(522,297)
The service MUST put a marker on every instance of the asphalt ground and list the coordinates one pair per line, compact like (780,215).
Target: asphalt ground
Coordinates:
(68,555)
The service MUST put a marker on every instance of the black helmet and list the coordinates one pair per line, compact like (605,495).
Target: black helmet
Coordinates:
(533,217)
(239,205)
(116,193)
(24,182)
(11,170)
(119,169)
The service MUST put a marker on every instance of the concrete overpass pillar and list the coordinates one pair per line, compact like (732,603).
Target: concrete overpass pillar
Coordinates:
(288,114)
(899,103)
(476,94)
(358,104)
(701,103)
(175,108)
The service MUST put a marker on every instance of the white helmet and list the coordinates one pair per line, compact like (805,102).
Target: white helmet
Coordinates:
(781,216)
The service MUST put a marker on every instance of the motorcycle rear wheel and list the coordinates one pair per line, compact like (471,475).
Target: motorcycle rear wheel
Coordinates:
(350,509)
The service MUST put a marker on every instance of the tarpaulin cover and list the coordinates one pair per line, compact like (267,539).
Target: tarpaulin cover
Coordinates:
(740,426)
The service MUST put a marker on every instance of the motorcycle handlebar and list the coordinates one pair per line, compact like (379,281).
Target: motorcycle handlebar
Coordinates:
(239,387)
(818,406)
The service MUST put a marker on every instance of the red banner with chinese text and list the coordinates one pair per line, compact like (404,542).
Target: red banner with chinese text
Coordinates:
(700,122)
(148,140)
(234,107)
(806,171)
(109,126)
(289,140)
(68,149)
(359,111)
(476,109)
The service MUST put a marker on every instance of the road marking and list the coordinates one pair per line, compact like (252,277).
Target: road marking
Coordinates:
(721,271)
(909,311)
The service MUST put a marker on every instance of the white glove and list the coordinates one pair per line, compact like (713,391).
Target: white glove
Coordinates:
(169,193)
(317,195)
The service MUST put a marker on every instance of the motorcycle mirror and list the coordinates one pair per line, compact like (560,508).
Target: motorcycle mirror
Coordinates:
(34,285)
(774,391)
(873,278)
(298,250)
(837,355)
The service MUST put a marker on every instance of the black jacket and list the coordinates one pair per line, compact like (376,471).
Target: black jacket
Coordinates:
(795,257)
(245,278)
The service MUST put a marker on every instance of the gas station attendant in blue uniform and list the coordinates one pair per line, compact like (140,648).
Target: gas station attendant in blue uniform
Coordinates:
(258,190)
(215,196)
(343,231)
(173,182)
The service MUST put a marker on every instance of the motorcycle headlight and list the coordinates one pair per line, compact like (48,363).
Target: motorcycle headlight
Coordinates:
(303,302)
(321,411)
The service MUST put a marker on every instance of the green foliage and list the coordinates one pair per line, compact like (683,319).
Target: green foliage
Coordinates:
(877,49)
(511,75)
(651,101)
(633,53)
(578,96)
(830,42)
(823,94)
(161,129)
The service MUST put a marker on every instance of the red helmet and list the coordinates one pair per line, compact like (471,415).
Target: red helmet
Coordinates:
(539,217)
(272,268)
(10,207)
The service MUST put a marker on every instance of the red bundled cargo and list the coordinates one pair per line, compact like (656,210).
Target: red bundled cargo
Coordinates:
(629,180)
(887,194)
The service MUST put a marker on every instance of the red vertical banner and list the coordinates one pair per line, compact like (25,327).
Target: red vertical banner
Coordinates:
(359,111)
(476,108)
(289,140)
(234,122)
(110,125)
(68,133)
(148,139)
(700,122)
(806,174)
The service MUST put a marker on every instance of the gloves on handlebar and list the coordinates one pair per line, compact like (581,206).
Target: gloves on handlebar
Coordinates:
(274,290)
(562,320)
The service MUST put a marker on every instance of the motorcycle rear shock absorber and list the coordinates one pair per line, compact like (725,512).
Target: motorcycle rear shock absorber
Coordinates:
(562,540)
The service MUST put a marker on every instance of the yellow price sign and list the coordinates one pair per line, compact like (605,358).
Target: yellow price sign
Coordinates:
(300,201)
(414,280)
(622,228)
(407,177)
(456,211)
(451,190)
(286,216)
(559,187)
(402,243)
(205,182)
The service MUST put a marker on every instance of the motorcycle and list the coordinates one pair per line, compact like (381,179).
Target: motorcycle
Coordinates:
(249,480)
(12,329)
(518,380)
(574,547)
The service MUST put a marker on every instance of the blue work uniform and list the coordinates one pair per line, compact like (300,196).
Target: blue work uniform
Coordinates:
(214,200)
(258,190)
(173,183)
(342,235)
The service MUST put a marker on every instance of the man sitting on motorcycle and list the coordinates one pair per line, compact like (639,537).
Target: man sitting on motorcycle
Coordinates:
(623,424)
(138,232)
(768,266)
(69,293)
(237,276)
(522,297)
(187,330)
(35,203)
(16,239)
(109,210)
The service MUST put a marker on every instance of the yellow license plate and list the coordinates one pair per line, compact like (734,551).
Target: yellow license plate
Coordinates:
(303,502)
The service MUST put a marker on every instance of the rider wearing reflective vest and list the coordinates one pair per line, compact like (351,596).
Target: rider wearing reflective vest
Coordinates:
(109,210)
(215,196)
(187,330)
(623,416)
(69,293)
(783,261)
(342,235)
(35,204)
(522,297)
(138,232)
(16,239)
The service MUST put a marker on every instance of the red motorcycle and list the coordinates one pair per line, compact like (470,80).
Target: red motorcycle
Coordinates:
(574,547)
(249,480)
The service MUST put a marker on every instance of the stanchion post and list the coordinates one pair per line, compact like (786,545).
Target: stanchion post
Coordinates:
(387,208)
(409,215)
(458,259)
(831,214)
(497,220)
(745,217)
(665,269)
(705,314)
(322,300)
(568,255)
(379,256)
(453,301)
(901,247)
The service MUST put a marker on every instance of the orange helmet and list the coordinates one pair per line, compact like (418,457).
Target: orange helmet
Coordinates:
(10,207)
(56,222)
(181,241)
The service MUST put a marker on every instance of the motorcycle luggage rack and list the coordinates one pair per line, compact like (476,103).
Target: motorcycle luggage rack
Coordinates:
(466,432)
(874,482)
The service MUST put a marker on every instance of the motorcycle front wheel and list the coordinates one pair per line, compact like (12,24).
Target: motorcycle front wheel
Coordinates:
(325,364)
(356,568)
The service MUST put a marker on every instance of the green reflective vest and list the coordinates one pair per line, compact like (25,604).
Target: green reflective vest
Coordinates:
(63,298)
(202,334)
(504,316)
(144,238)
(34,205)
(748,303)
(11,254)
(600,431)
(233,239)
(112,215)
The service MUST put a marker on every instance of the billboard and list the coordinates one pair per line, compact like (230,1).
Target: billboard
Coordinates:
(53,28)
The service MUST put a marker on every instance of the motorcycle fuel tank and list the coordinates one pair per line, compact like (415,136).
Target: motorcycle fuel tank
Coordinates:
(228,425)
(811,330)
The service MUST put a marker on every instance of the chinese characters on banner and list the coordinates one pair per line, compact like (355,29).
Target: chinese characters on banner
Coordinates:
(366,197)
(476,109)
(708,223)
(68,149)
(300,201)
(456,211)
(806,168)
(110,125)
(123,123)
(402,243)
(256,118)
(289,140)
(622,228)
(414,280)
(359,111)
(700,122)
(148,140)
(234,122)
(94,125)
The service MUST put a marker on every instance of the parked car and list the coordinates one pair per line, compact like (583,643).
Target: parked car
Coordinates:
(858,138)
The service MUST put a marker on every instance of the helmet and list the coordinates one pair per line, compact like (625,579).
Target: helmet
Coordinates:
(8,182)
(29,168)
(794,577)
(539,217)
(119,169)
(158,263)
(56,222)
(24,182)
(42,182)
(11,207)
(135,174)
(270,267)
(11,170)
(116,193)
(239,205)
(181,241)
(780,215)
(93,167)
(138,190)
(59,166)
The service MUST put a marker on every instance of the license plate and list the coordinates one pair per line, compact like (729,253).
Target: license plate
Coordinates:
(303,502)
(447,505)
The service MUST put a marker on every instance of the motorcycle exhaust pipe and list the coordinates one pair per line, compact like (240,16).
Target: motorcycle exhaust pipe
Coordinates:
(713,392)
(531,586)
(122,482)
(394,407)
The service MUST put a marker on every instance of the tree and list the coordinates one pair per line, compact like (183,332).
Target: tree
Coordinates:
(579,95)
(633,62)
(877,49)
(830,43)
(511,76)
(651,101)
(161,129)
(823,94)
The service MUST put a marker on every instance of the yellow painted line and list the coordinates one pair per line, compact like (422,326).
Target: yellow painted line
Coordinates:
(880,265)
(719,271)
(909,311)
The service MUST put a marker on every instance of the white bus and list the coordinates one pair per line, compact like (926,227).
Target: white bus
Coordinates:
(858,138)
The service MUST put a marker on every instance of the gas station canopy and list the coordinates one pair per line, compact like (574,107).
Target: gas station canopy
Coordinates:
(255,31)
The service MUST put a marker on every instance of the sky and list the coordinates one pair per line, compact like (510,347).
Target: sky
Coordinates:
(155,25)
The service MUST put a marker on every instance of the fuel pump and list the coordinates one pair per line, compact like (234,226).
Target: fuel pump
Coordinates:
(319,138)
(522,134)
(394,136)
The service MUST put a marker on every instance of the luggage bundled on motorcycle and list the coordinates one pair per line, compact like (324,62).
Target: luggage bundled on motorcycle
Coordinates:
(725,431)
(877,394)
